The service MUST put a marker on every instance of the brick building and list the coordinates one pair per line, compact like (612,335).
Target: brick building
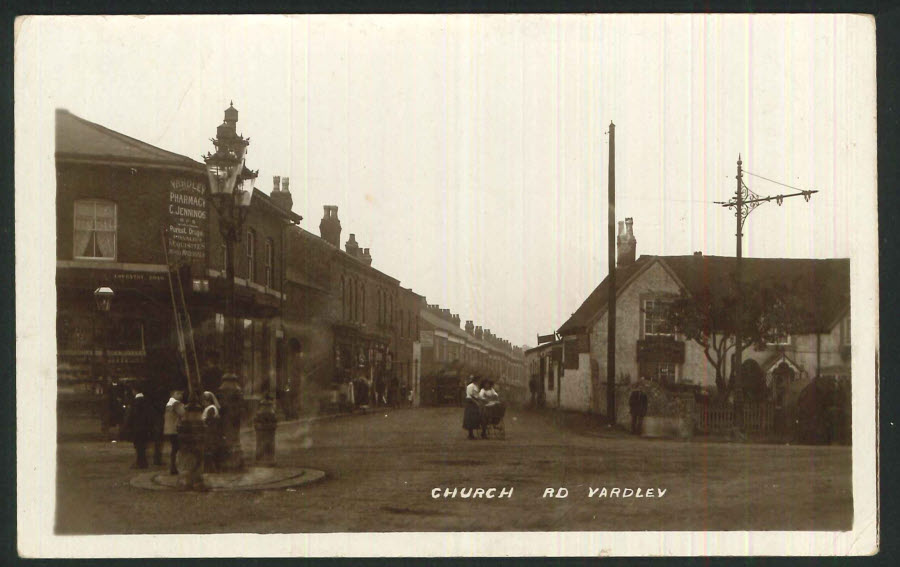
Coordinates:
(311,317)
(344,321)
(451,353)
(121,206)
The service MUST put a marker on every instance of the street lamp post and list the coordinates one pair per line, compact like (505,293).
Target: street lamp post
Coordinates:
(103,300)
(231,187)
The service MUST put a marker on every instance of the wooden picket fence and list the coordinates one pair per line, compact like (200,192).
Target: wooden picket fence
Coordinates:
(759,418)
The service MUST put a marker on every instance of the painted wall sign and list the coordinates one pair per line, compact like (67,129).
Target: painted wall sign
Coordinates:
(188,219)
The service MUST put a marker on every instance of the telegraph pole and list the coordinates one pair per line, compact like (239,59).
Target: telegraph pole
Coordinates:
(611,305)
(743,203)
(739,304)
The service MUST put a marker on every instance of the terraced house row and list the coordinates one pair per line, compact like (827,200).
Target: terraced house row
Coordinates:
(318,326)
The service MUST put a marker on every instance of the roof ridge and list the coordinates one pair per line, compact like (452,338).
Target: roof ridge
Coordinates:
(134,142)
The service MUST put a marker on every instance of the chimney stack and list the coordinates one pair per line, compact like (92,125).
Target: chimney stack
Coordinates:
(281,195)
(479,332)
(366,256)
(470,327)
(626,244)
(351,246)
(330,226)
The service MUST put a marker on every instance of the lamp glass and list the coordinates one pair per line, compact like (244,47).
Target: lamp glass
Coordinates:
(103,297)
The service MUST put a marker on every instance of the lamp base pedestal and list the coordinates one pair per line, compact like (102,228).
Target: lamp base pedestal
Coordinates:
(231,398)
(265,424)
(191,437)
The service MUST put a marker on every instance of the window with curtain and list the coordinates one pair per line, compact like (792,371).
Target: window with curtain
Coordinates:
(251,254)
(845,331)
(95,229)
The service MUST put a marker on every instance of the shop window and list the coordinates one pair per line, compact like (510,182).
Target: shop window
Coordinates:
(95,229)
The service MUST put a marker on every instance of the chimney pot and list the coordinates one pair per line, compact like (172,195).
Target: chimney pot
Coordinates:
(285,184)
(276,182)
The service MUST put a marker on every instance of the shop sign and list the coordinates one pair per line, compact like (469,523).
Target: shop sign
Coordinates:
(188,219)
(546,339)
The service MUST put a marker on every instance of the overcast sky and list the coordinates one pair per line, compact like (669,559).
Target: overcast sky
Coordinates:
(470,153)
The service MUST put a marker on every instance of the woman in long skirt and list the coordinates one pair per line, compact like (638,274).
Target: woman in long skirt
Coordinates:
(472,412)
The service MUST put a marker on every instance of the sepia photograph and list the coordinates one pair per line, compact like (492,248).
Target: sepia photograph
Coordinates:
(446,285)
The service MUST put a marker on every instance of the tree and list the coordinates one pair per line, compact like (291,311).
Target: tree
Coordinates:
(709,318)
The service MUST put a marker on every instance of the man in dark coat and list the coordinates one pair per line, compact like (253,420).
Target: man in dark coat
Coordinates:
(637,403)
(141,424)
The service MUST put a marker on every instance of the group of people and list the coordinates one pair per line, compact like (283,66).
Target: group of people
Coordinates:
(380,391)
(482,406)
(144,425)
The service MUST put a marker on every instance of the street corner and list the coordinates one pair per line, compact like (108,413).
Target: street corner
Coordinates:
(254,478)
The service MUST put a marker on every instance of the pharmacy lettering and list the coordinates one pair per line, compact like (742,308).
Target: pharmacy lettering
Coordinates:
(188,214)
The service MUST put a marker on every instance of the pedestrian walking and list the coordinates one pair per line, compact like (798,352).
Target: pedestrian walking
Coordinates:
(492,408)
(472,408)
(158,406)
(637,403)
(174,413)
(212,446)
(139,424)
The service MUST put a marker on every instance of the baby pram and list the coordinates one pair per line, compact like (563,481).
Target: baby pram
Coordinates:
(492,420)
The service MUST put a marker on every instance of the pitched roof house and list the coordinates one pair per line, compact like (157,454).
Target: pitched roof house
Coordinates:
(646,346)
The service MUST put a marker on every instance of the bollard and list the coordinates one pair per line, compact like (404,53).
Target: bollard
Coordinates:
(231,398)
(191,436)
(265,425)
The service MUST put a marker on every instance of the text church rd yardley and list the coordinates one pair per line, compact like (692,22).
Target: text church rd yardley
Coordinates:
(478,493)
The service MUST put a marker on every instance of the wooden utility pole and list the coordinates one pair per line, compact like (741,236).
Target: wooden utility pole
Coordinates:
(743,203)
(611,307)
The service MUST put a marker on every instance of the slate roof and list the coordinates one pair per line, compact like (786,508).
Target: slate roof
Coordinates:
(821,286)
(597,300)
(446,326)
(80,140)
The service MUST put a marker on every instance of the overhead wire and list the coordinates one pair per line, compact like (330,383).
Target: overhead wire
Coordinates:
(775,182)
